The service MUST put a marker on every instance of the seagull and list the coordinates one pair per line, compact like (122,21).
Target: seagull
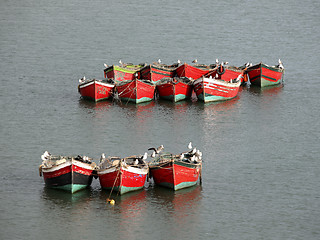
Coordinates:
(194,151)
(81,80)
(195,61)
(158,150)
(280,64)
(45,155)
(153,154)
(179,61)
(159,61)
(190,145)
(136,162)
(105,65)
(217,61)
(145,156)
(181,156)
(193,158)
(103,157)
(120,62)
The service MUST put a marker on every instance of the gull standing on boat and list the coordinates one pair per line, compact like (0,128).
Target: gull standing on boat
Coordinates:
(190,145)
(280,64)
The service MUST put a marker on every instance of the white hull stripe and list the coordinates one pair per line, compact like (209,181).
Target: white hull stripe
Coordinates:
(98,82)
(67,164)
(129,169)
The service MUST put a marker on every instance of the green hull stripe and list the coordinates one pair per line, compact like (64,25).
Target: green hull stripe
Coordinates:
(71,187)
(141,100)
(211,98)
(124,189)
(185,185)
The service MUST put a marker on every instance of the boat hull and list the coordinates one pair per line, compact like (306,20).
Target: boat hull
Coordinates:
(155,73)
(70,176)
(263,75)
(122,179)
(210,89)
(96,90)
(136,91)
(118,73)
(175,91)
(175,174)
(186,70)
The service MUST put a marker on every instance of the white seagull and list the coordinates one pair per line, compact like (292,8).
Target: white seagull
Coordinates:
(190,145)
(280,64)
(159,61)
(145,156)
(105,65)
(195,61)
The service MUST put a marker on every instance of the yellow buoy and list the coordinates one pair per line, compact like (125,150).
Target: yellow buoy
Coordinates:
(111,201)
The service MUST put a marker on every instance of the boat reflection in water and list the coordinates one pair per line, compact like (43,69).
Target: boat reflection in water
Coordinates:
(267,91)
(177,209)
(59,198)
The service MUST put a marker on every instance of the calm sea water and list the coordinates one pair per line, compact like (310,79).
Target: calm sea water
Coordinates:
(261,149)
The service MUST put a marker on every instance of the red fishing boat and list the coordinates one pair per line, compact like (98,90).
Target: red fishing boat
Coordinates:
(156,72)
(69,173)
(96,90)
(220,84)
(176,171)
(123,174)
(123,72)
(136,91)
(189,71)
(263,75)
(175,89)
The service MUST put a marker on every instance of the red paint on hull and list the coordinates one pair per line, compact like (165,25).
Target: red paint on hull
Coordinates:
(71,168)
(96,90)
(186,70)
(156,73)
(218,87)
(171,89)
(135,90)
(125,179)
(263,75)
(174,174)
(124,73)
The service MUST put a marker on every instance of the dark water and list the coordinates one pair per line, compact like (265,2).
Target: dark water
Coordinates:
(261,150)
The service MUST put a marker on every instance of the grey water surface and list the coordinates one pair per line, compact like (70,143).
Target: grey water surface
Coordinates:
(261,150)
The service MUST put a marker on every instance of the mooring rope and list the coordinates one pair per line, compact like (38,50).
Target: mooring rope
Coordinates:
(114,183)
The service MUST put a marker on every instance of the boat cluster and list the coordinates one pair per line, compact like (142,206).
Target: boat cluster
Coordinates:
(73,173)
(145,82)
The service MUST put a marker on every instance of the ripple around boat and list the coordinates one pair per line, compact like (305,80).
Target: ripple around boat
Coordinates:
(69,173)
